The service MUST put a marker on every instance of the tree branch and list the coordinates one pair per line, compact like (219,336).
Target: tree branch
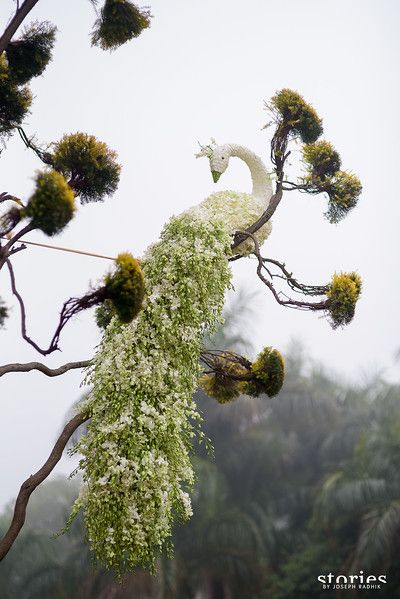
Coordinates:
(34,481)
(6,250)
(20,14)
(70,308)
(28,366)
(264,218)
(291,303)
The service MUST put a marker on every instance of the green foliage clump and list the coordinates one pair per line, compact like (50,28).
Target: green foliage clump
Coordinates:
(119,22)
(3,313)
(343,294)
(104,314)
(52,204)
(321,160)
(29,56)
(293,111)
(14,101)
(125,288)
(269,371)
(220,385)
(89,164)
(343,190)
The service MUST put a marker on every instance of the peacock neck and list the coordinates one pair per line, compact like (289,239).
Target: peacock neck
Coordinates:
(262,184)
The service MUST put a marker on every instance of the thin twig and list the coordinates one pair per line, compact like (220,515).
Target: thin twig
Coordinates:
(35,480)
(29,366)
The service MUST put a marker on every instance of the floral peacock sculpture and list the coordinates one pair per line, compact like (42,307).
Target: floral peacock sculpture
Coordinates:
(136,452)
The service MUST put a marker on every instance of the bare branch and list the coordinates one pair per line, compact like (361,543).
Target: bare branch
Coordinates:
(293,283)
(20,14)
(279,155)
(35,480)
(70,308)
(5,251)
(28,366)
(264,218)
(283,301)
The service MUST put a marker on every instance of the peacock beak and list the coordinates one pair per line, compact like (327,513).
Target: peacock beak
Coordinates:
(215,175)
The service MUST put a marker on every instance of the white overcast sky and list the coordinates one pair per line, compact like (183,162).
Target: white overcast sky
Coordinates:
(203,70)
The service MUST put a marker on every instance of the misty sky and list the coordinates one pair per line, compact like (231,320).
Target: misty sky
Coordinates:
(203,70)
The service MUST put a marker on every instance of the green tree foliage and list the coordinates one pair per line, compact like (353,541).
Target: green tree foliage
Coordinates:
(88,164)
(296,119)
(293,112)
(52,204)
(125,287)
(29,56)
(343,294)
(119,22)
(14,100)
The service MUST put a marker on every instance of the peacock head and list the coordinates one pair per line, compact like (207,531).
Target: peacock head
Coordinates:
(218,157)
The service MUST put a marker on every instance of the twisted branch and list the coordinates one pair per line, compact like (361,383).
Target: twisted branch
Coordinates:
(70,308)
(287,301)
(29,366)
(34,481)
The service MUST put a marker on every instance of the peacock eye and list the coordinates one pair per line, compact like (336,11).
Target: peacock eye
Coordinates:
(223,157)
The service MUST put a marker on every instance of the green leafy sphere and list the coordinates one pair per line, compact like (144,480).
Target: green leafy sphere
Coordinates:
(125,287)
(89,165)
(269,371)
(321,159)
(14,101)
(343,190)
(294,111)
(29,56)
(119,22)
(52,204)
(343,294)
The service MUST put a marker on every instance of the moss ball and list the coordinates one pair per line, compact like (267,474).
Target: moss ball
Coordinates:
(52,204)
(343,294)
(89,165)
(321,160)
(29,56)
(269,371)
(125,287)
(344,190)
(119,22)
(294,111)
(14,101)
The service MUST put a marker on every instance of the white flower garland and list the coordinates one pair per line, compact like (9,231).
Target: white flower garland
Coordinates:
(136,453)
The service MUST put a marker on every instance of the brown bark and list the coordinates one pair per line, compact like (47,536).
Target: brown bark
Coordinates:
(35,480)
(15,22)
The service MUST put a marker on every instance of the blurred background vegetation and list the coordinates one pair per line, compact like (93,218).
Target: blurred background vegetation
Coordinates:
(298,486)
